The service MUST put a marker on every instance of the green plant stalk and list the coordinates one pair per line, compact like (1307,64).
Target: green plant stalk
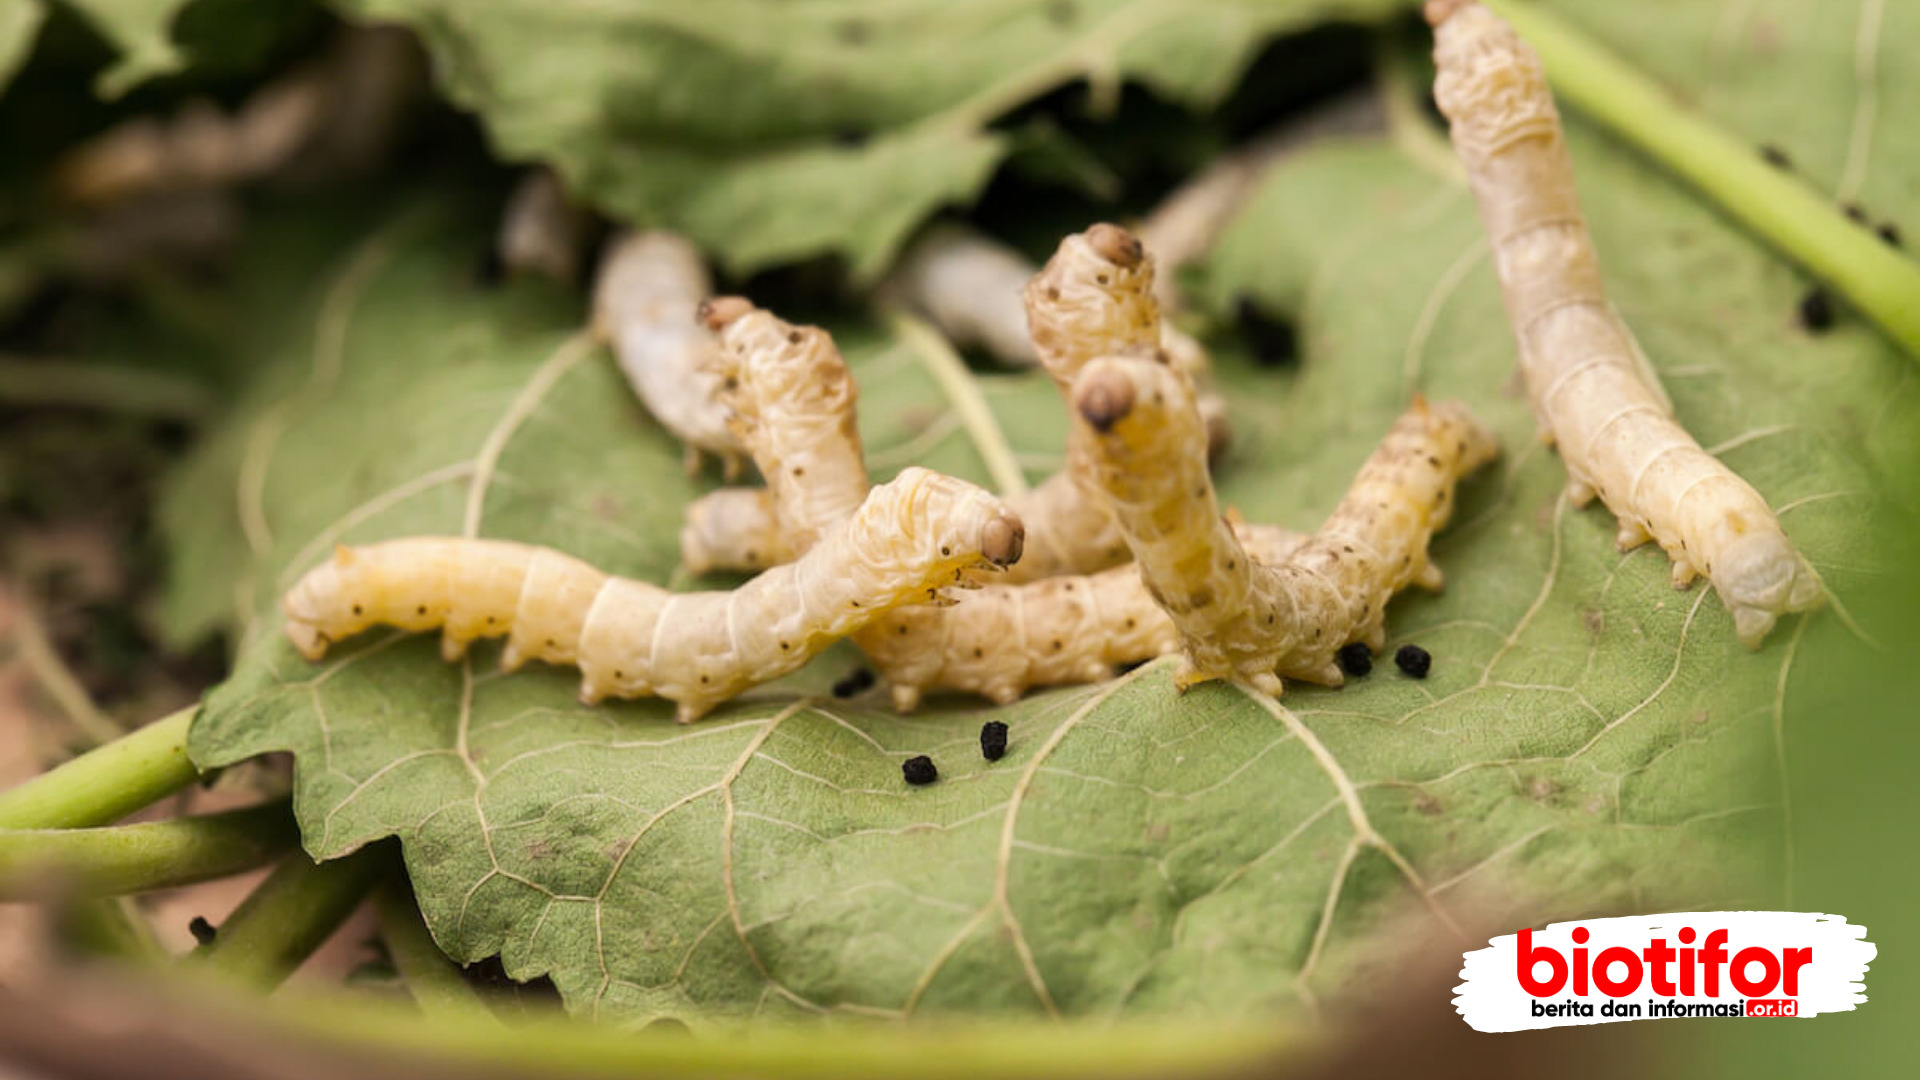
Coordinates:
(106,784)
(958,383)
(114,860)
(111,926)
(927,1049)
(291,914)
(433,980)
(1781,208)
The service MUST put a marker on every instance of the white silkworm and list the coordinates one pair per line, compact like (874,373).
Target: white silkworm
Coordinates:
(1245,618)
(542,231)
(647,290)
(912,537)
(1593,391)
(968,286)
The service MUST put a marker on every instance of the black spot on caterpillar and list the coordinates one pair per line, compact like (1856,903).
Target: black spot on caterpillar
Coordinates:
(203,931)
(1890,233)
(1775,156)
(633,639)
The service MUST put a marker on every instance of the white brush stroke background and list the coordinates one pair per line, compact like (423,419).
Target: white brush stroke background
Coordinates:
(1490,998)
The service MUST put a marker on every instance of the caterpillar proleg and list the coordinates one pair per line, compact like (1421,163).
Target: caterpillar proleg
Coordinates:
(645,294)
(1246,618)
(918,534)
(1593,391)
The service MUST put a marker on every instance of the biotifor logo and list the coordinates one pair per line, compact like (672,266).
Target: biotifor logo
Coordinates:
(1643,967)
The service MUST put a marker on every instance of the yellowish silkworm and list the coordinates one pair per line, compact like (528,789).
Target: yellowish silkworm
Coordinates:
(1243,618)
(1094,296)
(645,295)
(543,232)
(1002,640)
(792,403)
(1593,391)
(912,537)
(795,403)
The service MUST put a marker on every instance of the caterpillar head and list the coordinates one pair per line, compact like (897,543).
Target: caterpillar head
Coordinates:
(326,604)
(1488,82)
(1474,443)
(774,361)
(950,524)
(1139,408)
(1095,296)
(1760,577)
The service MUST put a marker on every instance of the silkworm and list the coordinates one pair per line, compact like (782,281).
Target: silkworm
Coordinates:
(796,404)
(968,286)
(911,538)
(647,289)
(1002,640)
(334,116)
(1593,390)
(977,291)
(1094,296)
(792,404)
(1243,618)
(542,231)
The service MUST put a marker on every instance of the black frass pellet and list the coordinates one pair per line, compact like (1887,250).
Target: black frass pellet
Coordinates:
(993,740)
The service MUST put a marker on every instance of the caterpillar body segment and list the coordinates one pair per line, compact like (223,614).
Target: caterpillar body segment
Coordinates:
(911,538)
(1094,296)
(1593,392)
(1260,619)
(645,294)
(793,404)
(732,529)
(1002,640)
